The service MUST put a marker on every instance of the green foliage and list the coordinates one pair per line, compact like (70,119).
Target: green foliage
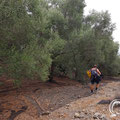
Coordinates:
(33,62)
(36,34)
(55,45)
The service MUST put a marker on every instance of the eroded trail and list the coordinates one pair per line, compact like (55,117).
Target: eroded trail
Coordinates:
(45,101)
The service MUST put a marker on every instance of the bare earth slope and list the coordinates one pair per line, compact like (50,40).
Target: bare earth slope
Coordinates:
(63,100)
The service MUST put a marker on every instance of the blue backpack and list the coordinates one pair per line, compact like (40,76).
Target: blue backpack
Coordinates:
(94,73)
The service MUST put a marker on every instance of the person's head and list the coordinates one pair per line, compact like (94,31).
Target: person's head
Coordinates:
(95,66)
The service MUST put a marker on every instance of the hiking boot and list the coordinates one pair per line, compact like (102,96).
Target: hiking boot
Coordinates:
(91,91)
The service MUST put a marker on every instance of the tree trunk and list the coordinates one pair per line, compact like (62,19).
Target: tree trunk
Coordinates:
(51,73)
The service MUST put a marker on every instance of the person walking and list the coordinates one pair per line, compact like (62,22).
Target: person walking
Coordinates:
(95,77)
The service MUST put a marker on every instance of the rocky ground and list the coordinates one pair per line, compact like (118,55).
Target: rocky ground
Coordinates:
(63,100)
(89,108)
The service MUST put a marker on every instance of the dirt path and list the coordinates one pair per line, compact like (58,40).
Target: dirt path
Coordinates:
(87,107)
(46,101)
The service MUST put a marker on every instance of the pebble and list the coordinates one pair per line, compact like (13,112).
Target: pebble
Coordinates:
(103,117)
(99,116)
(96,115)
(77,115)
(46,113)
(79,96)
(51,108)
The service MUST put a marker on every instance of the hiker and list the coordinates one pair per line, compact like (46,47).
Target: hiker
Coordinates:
(95,77)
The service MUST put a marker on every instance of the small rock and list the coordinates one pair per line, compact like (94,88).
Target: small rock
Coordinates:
(51,108)
(96,115)
(82,115)
(83,110)
(103,117)
(67,105)
(46,113)
(77,115)
(79,96)
(61,116)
